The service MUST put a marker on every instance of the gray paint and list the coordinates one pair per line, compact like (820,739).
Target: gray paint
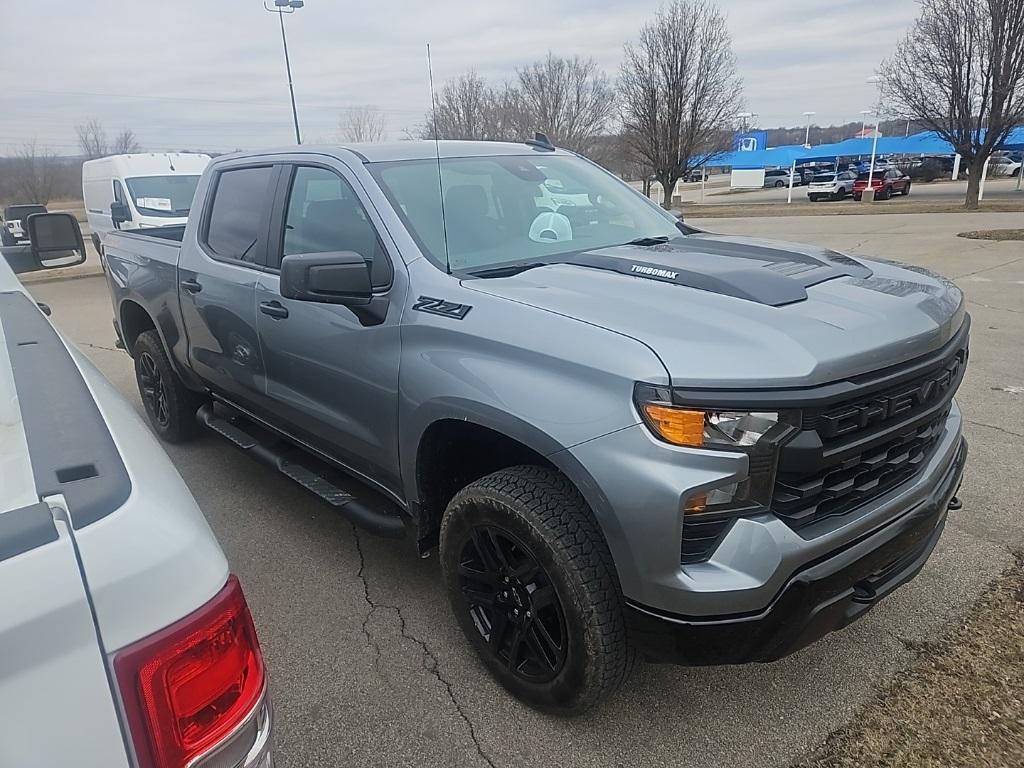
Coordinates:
(72,450)
(24,529)
(550,357)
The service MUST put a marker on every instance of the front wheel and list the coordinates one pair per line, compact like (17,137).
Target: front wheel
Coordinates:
(779,185)
(531,581)
(170,405)
(906,190)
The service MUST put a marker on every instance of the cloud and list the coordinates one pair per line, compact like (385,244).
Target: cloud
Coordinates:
(210,74)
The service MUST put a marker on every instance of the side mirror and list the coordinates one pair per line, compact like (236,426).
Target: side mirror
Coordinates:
(120,213)
(341,277)
(55,240)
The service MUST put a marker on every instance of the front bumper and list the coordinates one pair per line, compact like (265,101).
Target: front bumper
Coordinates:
(825,596)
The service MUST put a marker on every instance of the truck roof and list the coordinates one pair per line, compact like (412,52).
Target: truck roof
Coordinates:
(410,150)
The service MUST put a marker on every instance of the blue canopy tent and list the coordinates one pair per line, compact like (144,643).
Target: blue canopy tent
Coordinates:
(924,143)
(918,144)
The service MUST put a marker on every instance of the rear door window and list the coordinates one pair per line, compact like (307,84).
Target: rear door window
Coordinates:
(237,225)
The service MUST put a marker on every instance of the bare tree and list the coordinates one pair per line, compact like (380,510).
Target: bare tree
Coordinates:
(569,99)
(679,91)
(960,72)
(125,143)
(362,123)
(33,174)
(466,108)
(92,139)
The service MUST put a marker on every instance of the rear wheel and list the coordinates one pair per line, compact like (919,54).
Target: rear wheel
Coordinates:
(779,184)
(170,405)
(531,581)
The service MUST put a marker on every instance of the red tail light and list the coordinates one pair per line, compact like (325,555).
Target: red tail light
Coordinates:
(190,685)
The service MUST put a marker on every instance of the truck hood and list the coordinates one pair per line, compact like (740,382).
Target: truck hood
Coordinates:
(742,312)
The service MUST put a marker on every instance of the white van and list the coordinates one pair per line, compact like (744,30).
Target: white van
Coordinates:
(154,189)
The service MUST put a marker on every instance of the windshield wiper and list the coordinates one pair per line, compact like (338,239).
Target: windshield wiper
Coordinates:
(648,241)
(508,270)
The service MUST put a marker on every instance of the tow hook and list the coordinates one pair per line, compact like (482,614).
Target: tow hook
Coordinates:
(955,503)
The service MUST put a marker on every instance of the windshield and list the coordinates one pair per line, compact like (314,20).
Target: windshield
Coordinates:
(163,195)
(519,208)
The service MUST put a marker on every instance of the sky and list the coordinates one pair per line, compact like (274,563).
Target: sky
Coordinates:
(186,74)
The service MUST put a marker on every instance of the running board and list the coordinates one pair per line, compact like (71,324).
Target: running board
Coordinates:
(383,524)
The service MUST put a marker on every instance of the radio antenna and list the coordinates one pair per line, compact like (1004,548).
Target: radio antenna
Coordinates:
(437,154)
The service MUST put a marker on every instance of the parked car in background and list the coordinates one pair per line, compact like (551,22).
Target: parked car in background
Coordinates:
(696,175)
(804,173)
(153,189)
(929,169)
(885,183)
(777,178)
(1004,165)
(622,434)
(831,186)
(14,230)
(125,642)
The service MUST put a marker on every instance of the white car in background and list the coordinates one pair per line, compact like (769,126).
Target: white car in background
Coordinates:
(1003,165)
(154,189)
(125,642)
(831,186)
(777,178)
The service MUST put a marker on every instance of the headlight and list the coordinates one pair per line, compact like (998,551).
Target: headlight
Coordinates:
(759,434)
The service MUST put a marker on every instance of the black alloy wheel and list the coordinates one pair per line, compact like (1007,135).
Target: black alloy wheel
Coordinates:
(532,584)
(513,604)
(170,405)
(154,393)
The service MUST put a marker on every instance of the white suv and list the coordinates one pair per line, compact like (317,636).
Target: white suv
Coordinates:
(831,186)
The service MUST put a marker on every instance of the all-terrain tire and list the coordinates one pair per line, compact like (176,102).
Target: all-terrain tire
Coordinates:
(170,405)
(544,513)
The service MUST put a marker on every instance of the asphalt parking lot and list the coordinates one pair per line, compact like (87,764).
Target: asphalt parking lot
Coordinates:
(369,668)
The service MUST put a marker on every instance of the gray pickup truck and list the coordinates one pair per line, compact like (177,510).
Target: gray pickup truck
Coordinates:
(625,436)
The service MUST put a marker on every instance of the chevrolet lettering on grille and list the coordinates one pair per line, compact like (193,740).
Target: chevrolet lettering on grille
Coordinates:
(889,405)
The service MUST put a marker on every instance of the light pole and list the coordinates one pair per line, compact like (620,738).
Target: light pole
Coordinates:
(744,116)
(864,121)
(807,133)
(281,7)
(874,149)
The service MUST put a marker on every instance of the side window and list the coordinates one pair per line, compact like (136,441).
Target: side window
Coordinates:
(324,215)
(239,213)
(118,192)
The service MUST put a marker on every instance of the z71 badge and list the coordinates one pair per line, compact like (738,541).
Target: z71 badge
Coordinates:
(441,307)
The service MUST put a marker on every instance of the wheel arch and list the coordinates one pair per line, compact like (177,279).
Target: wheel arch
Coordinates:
(135,319)
(449,431)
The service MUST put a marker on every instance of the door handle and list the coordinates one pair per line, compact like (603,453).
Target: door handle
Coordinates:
(274,309)
(191,286)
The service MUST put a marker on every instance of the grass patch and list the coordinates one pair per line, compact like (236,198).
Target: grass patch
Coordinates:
(993,234)
(960,704)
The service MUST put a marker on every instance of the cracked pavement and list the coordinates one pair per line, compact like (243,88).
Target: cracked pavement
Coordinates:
(369,668)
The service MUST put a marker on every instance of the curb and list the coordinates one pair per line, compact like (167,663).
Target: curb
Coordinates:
(62,273)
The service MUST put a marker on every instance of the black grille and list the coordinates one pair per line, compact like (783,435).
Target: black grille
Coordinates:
(701,536)
(849,453)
